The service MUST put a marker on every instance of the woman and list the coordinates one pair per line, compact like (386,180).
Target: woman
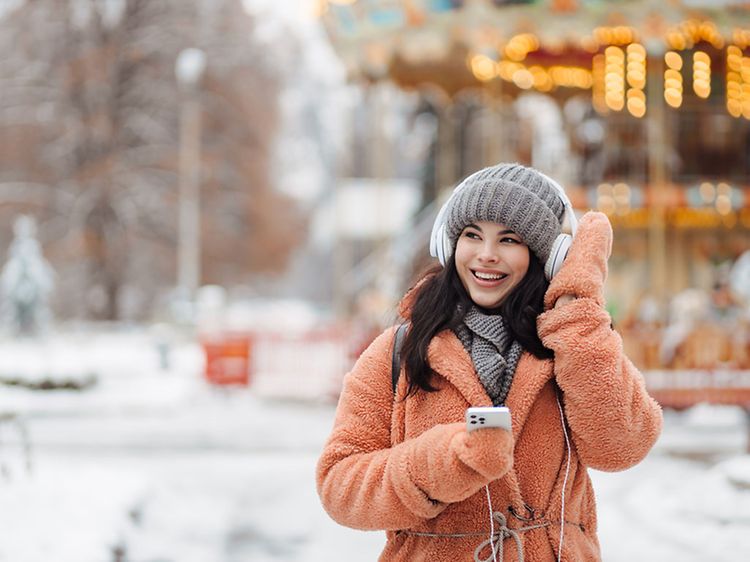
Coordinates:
(488,328)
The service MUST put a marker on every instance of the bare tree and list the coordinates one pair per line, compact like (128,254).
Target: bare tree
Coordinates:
(89,128)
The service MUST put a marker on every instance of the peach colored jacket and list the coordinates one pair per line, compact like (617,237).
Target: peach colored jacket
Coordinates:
(409,466)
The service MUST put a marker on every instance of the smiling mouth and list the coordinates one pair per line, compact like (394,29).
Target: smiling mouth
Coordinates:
(489,276)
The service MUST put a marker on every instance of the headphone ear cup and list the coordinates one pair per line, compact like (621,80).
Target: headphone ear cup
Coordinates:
(557,255)
(443,246)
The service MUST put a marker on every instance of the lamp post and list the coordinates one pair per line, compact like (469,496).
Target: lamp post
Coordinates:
(189,69)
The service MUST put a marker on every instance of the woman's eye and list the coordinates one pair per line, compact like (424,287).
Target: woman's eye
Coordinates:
(472,235)
(509,240)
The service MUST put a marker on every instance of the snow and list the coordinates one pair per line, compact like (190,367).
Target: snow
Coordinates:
(160,464)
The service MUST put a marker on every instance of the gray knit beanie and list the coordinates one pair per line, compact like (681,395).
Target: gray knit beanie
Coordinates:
(511,194)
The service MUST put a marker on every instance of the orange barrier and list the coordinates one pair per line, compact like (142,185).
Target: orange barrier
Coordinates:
(228,359)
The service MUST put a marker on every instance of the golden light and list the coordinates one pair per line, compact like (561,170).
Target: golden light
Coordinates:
(523,79)
(506,69)
(483,67)
(542,80)
(741,38)
(707,192)
(745,69)
(673,84)
(598,86)
(672,74)
(614,53)
(734,59)
(701,74)
(621,192)
(614,101)
(673,79)
(606,204)
(611,199)
(673,98)
(723,204)
(738,83)
(636,103)
(571,76)
(676,40)
(620,35)
(614,78)
(673,60)
(520,46)
(723,188)
(590,44)
(636,79)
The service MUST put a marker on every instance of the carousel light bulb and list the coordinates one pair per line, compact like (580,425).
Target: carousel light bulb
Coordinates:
(701,74)
(673,60)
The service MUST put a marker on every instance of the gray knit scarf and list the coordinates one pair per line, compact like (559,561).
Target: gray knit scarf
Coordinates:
(494,354)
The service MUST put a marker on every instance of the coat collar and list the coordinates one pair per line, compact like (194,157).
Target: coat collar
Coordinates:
(448,357)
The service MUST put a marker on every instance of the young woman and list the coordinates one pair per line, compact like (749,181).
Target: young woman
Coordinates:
(489,328)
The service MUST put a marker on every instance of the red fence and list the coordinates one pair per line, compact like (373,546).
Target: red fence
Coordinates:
(311,366)
(682,389)
(306,365)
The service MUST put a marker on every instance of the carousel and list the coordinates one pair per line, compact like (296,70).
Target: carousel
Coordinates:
(641,107)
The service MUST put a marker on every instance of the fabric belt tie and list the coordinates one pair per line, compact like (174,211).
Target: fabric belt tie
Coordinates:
(495,543)
(497,540)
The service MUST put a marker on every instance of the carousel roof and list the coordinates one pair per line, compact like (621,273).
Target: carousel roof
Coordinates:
(419,42)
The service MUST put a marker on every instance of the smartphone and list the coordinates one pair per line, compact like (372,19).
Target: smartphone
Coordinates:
(478,417)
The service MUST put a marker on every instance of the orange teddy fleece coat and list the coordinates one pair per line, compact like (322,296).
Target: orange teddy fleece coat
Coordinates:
(408,466)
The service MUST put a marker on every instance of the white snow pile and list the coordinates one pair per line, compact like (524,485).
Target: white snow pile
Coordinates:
(47,363)
(737,472)
(158,463)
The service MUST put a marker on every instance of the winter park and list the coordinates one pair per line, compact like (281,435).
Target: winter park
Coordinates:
(211,211)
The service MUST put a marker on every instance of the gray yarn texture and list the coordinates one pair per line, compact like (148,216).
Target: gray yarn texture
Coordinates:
(514,195)
(494,354)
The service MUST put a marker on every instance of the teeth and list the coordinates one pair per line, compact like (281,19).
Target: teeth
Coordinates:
(489,276)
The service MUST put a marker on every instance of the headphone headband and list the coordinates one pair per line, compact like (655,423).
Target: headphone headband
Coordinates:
(569,211)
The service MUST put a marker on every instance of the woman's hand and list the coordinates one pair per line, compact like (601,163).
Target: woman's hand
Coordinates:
(585,269)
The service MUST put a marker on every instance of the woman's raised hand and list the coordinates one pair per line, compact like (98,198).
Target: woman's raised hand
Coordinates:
(585,269)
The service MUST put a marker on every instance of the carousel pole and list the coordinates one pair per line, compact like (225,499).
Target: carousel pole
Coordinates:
(657,177)
(496,122)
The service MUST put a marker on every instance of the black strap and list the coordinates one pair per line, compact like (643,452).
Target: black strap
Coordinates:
(398,341)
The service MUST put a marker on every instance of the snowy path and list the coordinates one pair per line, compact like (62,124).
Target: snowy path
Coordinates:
(231,480)
(175,471)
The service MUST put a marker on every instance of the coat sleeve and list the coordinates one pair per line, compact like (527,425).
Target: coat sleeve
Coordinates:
(366,483)
(613,420)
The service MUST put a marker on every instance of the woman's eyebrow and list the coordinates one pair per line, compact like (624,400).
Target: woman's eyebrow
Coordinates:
(502,232)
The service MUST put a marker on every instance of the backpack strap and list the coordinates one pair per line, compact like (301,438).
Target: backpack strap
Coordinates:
(398,342)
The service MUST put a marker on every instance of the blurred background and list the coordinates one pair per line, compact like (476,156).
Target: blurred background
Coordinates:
(208,208)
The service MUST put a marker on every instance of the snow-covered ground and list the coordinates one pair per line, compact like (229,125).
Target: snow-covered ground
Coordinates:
(158,466)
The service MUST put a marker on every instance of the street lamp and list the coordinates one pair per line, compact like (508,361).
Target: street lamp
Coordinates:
(189,68)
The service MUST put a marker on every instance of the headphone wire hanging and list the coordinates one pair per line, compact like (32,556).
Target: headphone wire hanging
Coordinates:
(565,480)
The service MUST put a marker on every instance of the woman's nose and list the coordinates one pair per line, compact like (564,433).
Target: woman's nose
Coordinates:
(488,252)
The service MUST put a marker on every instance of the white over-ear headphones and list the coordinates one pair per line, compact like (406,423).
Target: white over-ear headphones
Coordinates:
(441,248)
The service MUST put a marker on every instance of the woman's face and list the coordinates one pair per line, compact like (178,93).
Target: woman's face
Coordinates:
(490,260)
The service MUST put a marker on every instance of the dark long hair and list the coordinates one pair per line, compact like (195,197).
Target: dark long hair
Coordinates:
(441,302)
